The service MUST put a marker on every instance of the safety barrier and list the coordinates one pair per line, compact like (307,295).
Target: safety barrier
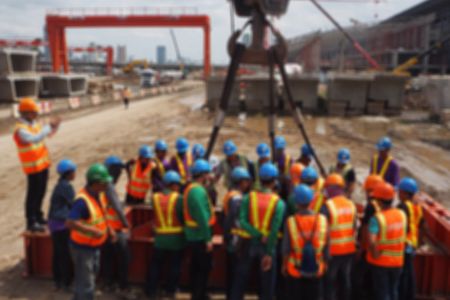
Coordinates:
(432,265)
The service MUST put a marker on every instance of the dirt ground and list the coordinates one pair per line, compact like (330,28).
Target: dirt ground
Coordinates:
(420,148)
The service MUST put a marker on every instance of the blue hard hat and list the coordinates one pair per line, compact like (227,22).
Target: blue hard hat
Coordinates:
(145,151)
(229,148)
(113,161)
(263,150)
(303,194)
(343,155)
(182,145)
(409,185)
(307,150)
(309,175)
(65,165)
(171,177)
(384,143)
(198,151)
(200,166)
(268,171)
(240,173)
(280,142)
(161,145)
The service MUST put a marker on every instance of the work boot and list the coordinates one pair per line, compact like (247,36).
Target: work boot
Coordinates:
(42,221)
(36,227)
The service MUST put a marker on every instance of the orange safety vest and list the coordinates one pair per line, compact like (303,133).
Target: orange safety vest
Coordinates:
(166,221)
(189,221)
(415,214)
(140,180)
(34,156)
(313,227)
(342,221)
(390,240)
(384,168)
(96,219)
(317,202)
(113,218)
(184,173)
(160,167)
(262,208)
(225,202)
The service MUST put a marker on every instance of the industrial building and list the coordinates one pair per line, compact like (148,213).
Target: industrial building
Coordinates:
(391,42)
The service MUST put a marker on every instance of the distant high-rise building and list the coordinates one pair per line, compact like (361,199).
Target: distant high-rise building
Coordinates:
(161,55)
(121,54)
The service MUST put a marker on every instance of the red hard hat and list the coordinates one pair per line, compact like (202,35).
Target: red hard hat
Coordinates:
(335,179)
(371,181)
(383,191)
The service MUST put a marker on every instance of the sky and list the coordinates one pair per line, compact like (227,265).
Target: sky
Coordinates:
(26,19)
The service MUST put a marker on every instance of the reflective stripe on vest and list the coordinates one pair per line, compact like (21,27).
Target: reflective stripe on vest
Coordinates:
(384,168)
(285,164)
(318,186)
(96,219)
(112,217)
(189,221)
(343,172)
(317,202)
(391,239)
(161,168)
(262,208)
(415,217)
(342,219)
(306,224)
(226,200)
(140,181)
(184,171)
(33,156)
(166,215)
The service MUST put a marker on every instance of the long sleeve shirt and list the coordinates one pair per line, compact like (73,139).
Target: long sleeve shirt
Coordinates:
(198,206)
(114,201)
(256,235)
(27,137)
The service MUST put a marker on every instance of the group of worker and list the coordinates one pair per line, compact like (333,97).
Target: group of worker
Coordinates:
(299,228)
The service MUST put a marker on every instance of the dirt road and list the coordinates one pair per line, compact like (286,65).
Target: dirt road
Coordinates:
(120,132)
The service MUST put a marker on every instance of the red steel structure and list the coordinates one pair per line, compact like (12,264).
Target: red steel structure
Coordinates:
(22,43)
(108,50)
(58,21)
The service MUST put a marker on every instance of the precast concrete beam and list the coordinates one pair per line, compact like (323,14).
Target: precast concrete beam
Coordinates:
(389,88)
(17,61)
(15,87)
(63,85)
(214,89)
(304,89)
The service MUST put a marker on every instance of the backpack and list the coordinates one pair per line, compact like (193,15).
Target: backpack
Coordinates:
(309,266)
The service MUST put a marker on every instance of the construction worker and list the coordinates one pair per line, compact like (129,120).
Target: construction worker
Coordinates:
(89,230)
(306,155)
(242,183)
(342,217)
(362,276)
(199,217)
(232,160)
(311,178)
(116,252)
(181,162)
(198,152)
(261,216)
(263,152)
(304,248)
(283,161)
(162,164)
(407,188)
(169,237)
(139,173)
(60,204)
(346,170)
(384,164)
(29,137)
(387,237)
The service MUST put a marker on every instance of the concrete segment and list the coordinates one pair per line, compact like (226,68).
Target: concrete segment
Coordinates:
(15,87)
(17,61)
(388,87)
(437,91)
(351,88)
(305,91)
(63,85)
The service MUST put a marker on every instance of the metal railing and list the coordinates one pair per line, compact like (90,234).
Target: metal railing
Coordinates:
(122,11)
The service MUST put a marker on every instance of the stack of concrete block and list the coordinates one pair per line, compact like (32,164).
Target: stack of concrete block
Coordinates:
(437,91)
(304,90)
(386,94)
(63,85)
(347,93)
(17,74)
